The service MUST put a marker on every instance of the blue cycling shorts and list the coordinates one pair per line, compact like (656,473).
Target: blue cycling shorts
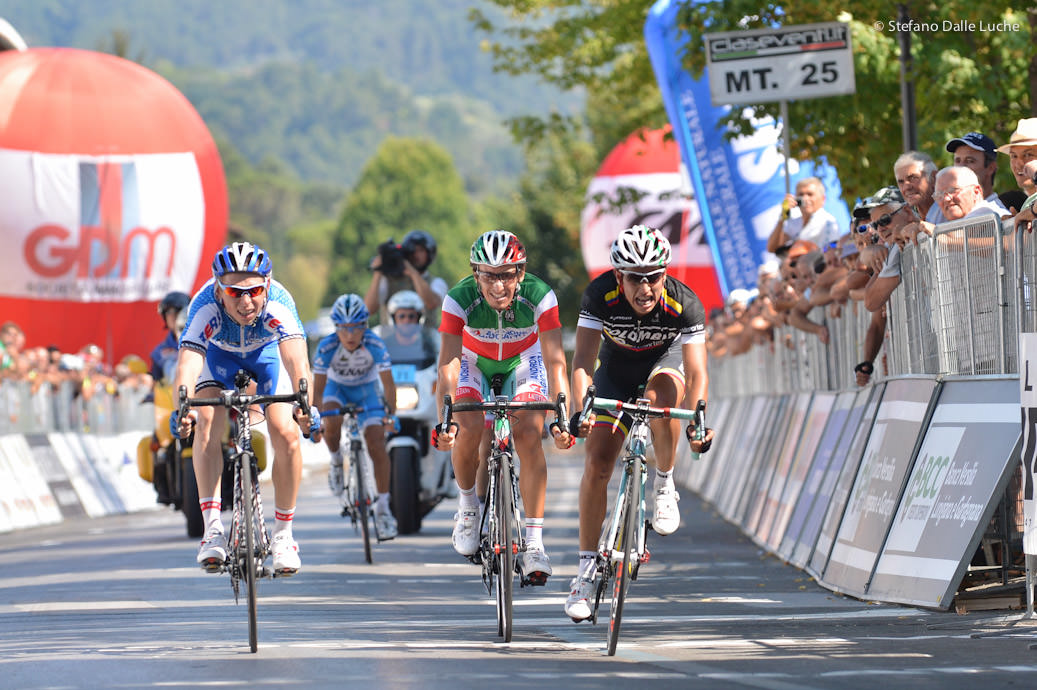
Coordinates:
(264,365)
(367,395)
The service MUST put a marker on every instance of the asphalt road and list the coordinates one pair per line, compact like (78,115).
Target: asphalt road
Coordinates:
(118,603)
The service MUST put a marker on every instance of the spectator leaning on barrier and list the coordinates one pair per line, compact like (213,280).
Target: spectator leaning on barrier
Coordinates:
(1022,148)
(959,195)
(915,173)
(804,257)
(814,223)
(976,151)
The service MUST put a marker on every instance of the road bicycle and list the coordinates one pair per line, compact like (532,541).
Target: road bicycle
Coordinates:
(622,547)
(503,538)
(248,544)
(360,493)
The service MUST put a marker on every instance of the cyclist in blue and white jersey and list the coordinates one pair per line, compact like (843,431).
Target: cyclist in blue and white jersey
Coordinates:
(243,319)
(347,368)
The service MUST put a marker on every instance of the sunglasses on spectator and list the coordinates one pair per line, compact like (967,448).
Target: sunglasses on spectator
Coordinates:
(651,278)
(252,291)
(886,218)
(491,277)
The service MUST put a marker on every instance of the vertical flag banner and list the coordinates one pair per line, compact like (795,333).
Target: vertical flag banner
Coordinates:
(113,194)
(648,164)
(740,183)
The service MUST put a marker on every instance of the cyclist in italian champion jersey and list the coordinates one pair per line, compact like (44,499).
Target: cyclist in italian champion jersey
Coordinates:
(501,320)
(243,319)
(347,368)
(647,329)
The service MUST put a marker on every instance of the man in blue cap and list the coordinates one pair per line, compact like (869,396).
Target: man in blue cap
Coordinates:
(978,152)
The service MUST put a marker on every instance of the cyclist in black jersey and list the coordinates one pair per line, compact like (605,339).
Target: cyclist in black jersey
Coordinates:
(647,329)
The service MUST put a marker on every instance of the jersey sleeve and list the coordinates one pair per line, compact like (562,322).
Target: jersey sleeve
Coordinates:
(547,317)
(325,351)
(379,352)
(282,317)
(203,321)
(454,317)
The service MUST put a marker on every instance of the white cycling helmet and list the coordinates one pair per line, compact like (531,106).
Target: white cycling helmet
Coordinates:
(498,248)
(640,247)
(405,299)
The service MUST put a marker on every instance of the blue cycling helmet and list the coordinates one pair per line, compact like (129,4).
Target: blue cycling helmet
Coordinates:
(349,309)
(241,257)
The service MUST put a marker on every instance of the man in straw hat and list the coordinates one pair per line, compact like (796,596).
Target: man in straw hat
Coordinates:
(1021,148)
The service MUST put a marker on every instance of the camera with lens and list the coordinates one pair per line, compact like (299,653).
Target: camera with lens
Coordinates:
(392,258)
(799,201)
(820,264)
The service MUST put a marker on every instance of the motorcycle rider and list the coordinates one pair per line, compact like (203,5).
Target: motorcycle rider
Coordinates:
(163,357)
(406,337)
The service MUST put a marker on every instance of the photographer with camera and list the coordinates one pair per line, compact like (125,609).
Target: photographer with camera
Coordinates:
(404,266)
(813,223)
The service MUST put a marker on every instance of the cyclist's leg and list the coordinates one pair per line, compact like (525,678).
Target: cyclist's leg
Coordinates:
(332,433)
(207,460)
(666,389)
(370,419)
(465,456)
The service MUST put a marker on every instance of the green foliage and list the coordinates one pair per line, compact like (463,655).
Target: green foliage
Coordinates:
(964,80)
(409,184)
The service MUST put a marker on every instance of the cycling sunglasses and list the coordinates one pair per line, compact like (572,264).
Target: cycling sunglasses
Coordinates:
(651,278)
(252,291)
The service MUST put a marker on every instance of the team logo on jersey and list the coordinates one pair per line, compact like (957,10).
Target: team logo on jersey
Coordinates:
(509,314)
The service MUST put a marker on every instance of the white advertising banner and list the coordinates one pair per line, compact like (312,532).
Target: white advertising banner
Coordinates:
(1028,403)
(100,229)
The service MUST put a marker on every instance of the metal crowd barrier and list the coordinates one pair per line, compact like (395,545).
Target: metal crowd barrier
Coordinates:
(964,295)
(64,408)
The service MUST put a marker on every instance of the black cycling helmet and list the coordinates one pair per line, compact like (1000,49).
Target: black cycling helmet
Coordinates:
(419,238)
(173,300)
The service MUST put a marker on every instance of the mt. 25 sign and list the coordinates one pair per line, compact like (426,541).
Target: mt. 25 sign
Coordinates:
(782,64)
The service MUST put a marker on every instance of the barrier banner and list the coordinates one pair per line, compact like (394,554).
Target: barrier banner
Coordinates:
(782,471)
(766,465)
(1028,403)
(737,466)
(832,452)
(960,475)
(750,496)
(840,495)
(55,475)
(879,483)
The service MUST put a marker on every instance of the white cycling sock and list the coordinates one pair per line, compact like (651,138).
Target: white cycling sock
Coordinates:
(336,458)
(466,499)
(663,480)
(211,512)
(283,520)
(587,562)
(534,534)
(382,504)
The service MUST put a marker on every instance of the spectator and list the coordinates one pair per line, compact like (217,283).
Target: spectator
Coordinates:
(1021,148)
(915,173)
(418,251)
(802,260)
(814,223)
(976,151)
(12,340)
(959,195)
(888,213)
(831,271)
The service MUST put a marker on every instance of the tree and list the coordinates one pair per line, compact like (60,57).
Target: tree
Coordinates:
(959,74)
(408,184)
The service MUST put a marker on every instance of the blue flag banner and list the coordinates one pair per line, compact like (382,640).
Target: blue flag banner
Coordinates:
(739,184)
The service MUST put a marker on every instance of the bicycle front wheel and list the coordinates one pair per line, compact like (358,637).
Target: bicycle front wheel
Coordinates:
(248,560)
(504,554)
(363,503)
(625,573)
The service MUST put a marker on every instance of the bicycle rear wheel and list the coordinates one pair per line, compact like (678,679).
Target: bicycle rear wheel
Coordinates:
(363,503)
(504,555)
(625,573)
(248,559)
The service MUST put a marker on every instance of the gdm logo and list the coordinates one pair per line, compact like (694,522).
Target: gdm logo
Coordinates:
(51,251)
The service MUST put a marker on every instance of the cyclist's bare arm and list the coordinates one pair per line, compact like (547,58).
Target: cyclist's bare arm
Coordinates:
(296,359)
(696,380)
(588,341)
(554,361)
(389,387)
(317,392)
(189,365)
(449,372)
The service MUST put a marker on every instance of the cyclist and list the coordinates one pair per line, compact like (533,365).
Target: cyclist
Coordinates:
(650,330)
(501,320)
(164,356)
(347,367)
(243,319)
(418,250)
(406,337)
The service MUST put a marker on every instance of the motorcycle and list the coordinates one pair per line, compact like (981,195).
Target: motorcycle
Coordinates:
(167,464)
(421,475)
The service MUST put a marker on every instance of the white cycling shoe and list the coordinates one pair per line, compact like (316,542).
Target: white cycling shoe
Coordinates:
(286,555)
(667,517)
(466,532)
(535,566)
(212,553)
(578,606)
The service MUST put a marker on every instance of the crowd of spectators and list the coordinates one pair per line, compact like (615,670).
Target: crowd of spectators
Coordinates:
(815,264)
(86,369)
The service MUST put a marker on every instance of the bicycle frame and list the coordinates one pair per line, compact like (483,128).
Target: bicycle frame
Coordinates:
(360,491)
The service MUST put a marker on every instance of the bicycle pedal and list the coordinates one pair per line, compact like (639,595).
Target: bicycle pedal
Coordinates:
(287,572)
(381,539)
(645,557)
(212,565)
(537,579)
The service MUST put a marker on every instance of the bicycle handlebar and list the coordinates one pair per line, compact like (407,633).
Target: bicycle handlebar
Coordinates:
(233,399)
(501,406)
(642,408)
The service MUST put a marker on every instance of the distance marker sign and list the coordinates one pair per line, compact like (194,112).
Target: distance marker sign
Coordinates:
(787,63)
